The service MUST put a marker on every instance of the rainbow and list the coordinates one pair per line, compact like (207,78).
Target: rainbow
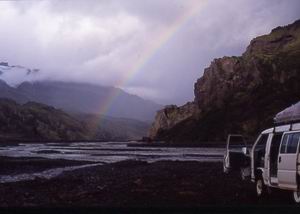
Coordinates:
(193,9)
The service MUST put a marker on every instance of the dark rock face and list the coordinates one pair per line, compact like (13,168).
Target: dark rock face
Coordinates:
(170,116)
(242,94)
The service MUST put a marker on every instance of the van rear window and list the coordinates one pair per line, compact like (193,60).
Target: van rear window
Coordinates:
(293,143)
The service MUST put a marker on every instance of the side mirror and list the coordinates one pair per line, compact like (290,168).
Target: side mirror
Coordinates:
(245,150)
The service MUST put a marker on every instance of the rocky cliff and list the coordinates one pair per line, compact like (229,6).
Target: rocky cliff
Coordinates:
(238,94)
(172,115)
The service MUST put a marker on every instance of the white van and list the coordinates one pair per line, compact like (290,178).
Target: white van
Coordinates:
(274,160)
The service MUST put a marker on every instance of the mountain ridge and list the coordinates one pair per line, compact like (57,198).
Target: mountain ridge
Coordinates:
(82,98)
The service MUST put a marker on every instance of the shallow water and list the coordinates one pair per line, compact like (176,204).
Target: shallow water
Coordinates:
(110,152)
(101,153)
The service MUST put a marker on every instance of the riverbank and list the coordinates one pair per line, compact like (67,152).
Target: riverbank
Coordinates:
(163,184)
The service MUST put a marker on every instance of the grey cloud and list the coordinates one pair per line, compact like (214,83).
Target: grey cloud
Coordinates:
(222,28)
(99,41)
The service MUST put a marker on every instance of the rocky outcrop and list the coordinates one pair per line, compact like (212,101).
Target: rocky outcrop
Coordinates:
(240,94)
(170,116)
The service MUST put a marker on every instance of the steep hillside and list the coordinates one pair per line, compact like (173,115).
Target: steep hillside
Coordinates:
(34,121)
(239,94)
(38,122)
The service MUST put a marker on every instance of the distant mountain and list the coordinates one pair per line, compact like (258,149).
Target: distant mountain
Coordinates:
(113,129)
(7,91)
(238,94)
(82,98)
(96,112)
(38,122)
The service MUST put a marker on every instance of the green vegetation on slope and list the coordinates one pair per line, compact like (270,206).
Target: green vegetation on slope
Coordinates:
(38,122)
(34,121)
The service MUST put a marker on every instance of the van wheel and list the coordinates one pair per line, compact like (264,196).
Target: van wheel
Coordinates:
(296,196)
(225,170)
(261,189)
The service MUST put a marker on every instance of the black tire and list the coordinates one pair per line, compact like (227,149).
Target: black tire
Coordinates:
(261,189)
(225,169)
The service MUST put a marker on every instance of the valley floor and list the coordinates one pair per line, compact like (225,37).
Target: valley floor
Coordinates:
(132,184)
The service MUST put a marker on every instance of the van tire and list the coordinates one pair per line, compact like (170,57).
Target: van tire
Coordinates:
(225,169)
(296,196)
(261,189)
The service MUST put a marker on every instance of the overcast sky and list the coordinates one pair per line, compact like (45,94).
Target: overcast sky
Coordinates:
(156,49)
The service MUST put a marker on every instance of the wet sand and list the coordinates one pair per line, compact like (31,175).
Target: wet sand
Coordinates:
(163,184)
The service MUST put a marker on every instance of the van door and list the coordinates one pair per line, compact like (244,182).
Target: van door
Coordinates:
(287,161)
(273,155)
(234,157)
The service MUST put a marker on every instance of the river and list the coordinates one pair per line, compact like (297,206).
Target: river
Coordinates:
(98,154)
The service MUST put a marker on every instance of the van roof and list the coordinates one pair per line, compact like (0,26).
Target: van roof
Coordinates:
(283,128)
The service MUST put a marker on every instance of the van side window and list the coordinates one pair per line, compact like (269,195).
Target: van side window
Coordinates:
(284,143)
(261,144)
(290,143)
(293,143)
(260,150)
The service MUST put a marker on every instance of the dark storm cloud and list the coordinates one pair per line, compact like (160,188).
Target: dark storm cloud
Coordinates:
(99,41)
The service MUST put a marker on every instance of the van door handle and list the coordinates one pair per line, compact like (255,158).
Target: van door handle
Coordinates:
(279,160)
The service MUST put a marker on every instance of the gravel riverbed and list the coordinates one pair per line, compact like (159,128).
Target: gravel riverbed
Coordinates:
(133,184)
